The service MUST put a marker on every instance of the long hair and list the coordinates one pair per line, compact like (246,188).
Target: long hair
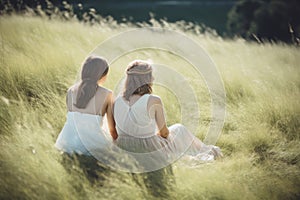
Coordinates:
(139,79)
(93,69)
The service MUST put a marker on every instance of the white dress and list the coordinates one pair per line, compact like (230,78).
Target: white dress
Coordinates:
(138,149)
(83,133)
(137,135)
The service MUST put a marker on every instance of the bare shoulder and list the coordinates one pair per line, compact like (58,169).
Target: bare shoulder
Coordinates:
(103,90)
(154,99)
(106,95)
(100,88)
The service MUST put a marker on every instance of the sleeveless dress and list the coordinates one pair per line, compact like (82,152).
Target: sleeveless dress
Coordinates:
(137,133)
(83,133)
(138,149)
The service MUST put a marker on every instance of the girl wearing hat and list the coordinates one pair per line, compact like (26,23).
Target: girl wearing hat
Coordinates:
(141,125)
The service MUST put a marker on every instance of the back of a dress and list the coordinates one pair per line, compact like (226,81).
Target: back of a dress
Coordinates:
(137,134)
(134,120)
(82,131)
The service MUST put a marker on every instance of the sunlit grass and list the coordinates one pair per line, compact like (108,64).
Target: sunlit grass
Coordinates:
(40,59)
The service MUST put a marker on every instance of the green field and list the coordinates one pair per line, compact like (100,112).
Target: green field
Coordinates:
(260,140)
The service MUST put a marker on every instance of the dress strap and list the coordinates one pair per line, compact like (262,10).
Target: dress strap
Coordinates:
(71,94)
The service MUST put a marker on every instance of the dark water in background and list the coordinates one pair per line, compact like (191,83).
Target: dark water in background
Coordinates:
(211,13)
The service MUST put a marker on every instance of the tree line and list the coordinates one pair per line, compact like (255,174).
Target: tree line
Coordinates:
(266,19)
(260,20)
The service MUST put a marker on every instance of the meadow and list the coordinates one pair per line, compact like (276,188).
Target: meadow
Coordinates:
(41,58)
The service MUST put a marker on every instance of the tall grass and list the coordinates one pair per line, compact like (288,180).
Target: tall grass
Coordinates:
(40,59)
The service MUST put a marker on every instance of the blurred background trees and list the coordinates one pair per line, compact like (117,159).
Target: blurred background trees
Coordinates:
(276,20)
(265,19)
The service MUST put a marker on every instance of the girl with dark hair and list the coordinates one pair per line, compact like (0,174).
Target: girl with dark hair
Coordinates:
(88,103)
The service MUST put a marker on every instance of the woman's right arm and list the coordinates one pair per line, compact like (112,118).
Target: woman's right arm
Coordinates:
(158,108)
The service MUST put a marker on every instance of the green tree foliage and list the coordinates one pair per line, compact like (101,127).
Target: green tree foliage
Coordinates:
(265,19)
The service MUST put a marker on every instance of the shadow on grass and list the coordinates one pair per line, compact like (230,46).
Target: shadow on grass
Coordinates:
(156,184)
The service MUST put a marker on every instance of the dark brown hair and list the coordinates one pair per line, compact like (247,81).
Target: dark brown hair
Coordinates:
(93,69)
(144,89)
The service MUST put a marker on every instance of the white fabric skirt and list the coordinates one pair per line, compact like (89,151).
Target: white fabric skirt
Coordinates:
(180,142)
(82,134)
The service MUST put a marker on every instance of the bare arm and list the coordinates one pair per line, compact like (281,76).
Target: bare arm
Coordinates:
(110,117)
(157,108)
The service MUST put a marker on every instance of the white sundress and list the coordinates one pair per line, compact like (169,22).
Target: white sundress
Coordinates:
(138,149)
(83,133)
(137,134)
